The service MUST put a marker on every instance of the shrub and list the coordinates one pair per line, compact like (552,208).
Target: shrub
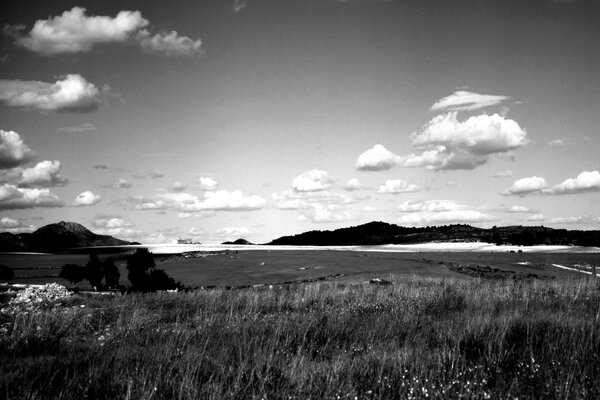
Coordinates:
(6,273)
(111,273)
(93,272)
(73,273)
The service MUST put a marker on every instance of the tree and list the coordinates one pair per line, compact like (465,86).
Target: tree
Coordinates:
(159,280)
(72,272)
(6,273)
(138,265)
(111,273)
(93,272)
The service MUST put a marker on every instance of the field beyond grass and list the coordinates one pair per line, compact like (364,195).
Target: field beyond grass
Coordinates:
(418,338)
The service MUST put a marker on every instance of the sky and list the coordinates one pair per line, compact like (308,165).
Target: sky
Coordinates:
(214,120)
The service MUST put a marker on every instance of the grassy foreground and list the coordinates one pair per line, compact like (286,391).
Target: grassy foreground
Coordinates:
(420,338)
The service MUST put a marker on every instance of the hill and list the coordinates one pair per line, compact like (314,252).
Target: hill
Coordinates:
(239,241)
(55,238)
(375,233)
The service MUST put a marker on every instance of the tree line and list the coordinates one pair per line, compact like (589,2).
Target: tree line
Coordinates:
(104,275)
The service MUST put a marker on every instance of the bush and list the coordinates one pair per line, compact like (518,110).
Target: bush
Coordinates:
(111,273)
(93,272)
(6,273)
(72,272)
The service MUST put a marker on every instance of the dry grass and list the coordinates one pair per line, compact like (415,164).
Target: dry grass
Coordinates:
(420,338)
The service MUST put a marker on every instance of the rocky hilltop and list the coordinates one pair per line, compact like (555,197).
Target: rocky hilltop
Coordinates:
(375,233)
(55,238)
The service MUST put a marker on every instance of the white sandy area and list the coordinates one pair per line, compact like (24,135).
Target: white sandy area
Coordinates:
(393,248)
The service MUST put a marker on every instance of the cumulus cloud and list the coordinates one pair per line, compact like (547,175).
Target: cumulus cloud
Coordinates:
(536,217)
(122,184)
(169,44)
(220,200)
(519,209)
(179,186)
(368,209)
(312,181)
(325,213)
(397,186)
(87,127)
(529,185)
(293,200)
(431,206)
(378,158)
(467,101)
(431,212)
(352,185)
(232,232)
(44,173)
(502,174)
(586,181)
(558,142)
(13,197)
(156,174)
(195,232)
(208,184)
(448,143)
(15,226)
(13,151)
(74,32)
(582,219)
(86,198)
(71,93)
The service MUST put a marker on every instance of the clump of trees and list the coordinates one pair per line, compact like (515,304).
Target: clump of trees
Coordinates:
(6,273)
(103,275)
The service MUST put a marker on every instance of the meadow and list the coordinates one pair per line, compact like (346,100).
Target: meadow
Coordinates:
(421,337)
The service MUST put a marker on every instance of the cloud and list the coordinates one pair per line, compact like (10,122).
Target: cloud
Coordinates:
(445,217)
(558,142)
(86,198)
(156,174)
(521,187)
(13,151)
(71,93)
(586,181)
(502,174)
(352,185)
(368,209)
(179,186)
(221,200)
(44,173)
(312,181)
(110,221)
(195,232)
(520,209)
(431,206)
(397,186)
(15,226)
(169,44)
(377,158)
(87,127)
(13,197)
(101,166)
(536,217)
(325,213)
(232,232)
(75,32)
(467,101)
(239,5)
(293,200)
(582,219)
(449,144)
(208,184)
(122,184)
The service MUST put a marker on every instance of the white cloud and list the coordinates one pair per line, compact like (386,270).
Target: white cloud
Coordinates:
(232,232)
(536,217)
(325,213)
(430,206)
(221,200)
(208,184)
(467,101)
(502,174)
(312,181)
(169,44)
(445,217)
(293,200)
(122,184)
(521,187)
(109,221)
(44,173)
(195,232)
(558,142)
(71,93)
(15,226)
(87,127)
(352,185)
(13,151)
(156,174)
(582,219)
(397,186)
(586,181)
(239,5)
(13,197)
(368,209)
(115,226)
(86,198)
(74,32)
(377,158)
(179,186)
(448,143)
(520,209)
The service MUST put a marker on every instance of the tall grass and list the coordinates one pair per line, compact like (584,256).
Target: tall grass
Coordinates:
(421,338)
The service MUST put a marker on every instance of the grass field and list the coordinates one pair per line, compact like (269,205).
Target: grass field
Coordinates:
(236,268)
(439,338)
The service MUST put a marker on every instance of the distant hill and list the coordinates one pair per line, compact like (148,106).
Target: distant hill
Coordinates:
(239,241)
(56,237)
(375,233)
